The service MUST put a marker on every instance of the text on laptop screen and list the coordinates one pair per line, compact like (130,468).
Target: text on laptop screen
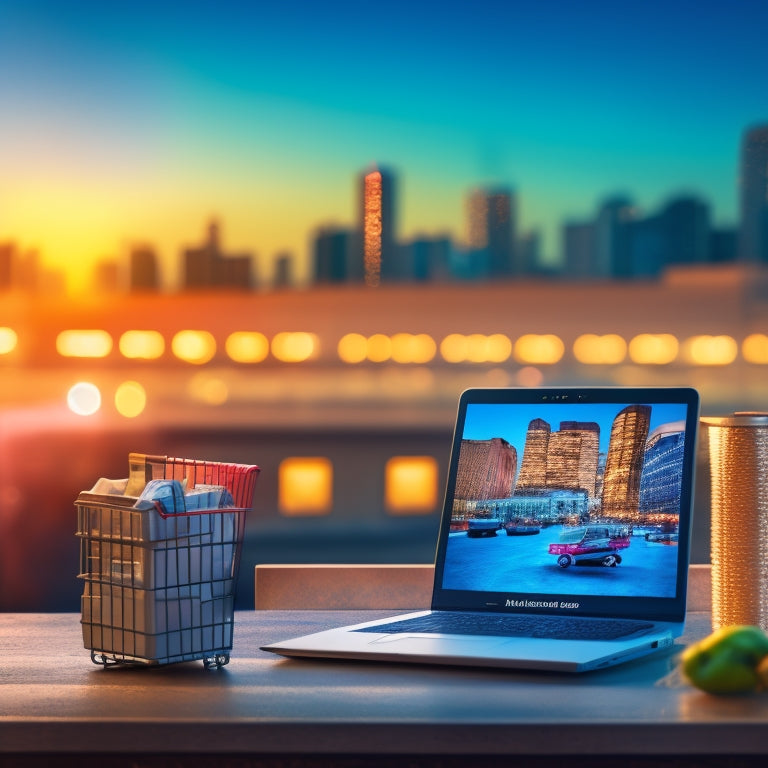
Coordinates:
(561,498)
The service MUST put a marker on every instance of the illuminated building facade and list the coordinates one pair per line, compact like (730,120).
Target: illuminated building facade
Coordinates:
(554,507)
(563,460)
(533,470)
(486,470)
(624,463)
(377,220)
(663,471)
(572,456)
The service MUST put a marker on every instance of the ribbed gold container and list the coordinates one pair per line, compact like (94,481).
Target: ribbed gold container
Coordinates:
(738,456)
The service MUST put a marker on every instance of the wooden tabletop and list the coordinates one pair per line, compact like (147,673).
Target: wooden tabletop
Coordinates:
(55,701)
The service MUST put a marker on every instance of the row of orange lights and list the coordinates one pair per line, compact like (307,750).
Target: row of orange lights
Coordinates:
(199,347)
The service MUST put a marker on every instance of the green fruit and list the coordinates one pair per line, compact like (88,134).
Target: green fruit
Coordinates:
(727,660)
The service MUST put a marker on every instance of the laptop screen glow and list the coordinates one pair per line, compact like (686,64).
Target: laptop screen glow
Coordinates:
(557,499)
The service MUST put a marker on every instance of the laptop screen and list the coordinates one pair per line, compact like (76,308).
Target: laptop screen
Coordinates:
(569,500)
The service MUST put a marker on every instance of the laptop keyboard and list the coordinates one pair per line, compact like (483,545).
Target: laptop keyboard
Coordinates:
(504,625)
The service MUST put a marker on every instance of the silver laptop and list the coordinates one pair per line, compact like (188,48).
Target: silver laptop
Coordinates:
(564,539)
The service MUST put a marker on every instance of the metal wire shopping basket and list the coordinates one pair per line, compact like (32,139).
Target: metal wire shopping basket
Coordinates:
(159,578)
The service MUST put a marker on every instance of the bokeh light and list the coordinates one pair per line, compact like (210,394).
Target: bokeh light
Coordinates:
(539,349)
(84,398)
(475,348)
(352,348)
(413,348)
(711,350)
(379,348)
(754,349)
(294,347)
(410,484)
(130,399)
(653,348)
(208,389)
(8,340)
(247,347)
(592,349)
(142,345)
(530,376)
(305,486)
(197,347)
(84,343)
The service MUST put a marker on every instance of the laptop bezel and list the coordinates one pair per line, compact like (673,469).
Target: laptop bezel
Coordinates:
(668,609)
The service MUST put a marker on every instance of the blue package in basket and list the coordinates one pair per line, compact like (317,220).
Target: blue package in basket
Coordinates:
(169,493)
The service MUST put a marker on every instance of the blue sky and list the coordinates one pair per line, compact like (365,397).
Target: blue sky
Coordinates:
(125,122)
(510,422)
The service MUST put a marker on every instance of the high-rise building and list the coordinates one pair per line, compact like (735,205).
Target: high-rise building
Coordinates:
(612,238)
(533,470)
(686,225)
(429,258)
(208,267)
(282,275)
(491,229)
(331,255)
(649,247)
(661,482)
(572,457)
(377,226)
(565,460)
(624,463)
(143,272)
(7,254)
(579,249)
(486,470)
(753,188)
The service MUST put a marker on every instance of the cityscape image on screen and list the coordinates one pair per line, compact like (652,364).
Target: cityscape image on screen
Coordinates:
(579,499)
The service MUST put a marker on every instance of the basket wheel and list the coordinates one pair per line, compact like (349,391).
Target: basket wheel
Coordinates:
(217,661)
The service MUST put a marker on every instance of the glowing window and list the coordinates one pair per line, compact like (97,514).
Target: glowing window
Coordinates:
(754,348)
(8,340)
(592,349)
(410,484)
(130,399)
(539,349)
(353,348)
(84,343)
(247,346)
(197,347)
(711,350)
(84,398)
(294,347)
(653,348)
(305,486)
(142,345)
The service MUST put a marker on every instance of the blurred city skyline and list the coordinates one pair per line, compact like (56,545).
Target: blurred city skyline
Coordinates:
(131,124)
(617,240)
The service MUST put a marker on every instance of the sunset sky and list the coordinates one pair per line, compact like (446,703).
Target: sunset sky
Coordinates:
(137,122)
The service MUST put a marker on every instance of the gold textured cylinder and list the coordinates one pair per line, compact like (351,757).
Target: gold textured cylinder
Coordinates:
(738,457)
